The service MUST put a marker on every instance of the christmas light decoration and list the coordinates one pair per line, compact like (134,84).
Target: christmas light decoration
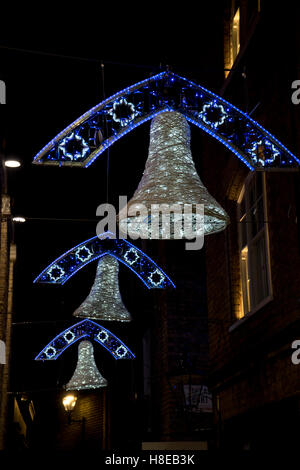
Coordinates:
(103,336)
(170,178)
(159,278)
(50,352)
(166,91)
(210,109)
(84,329)
(86,375)
(69,336)
(56,273)
(131,256)
(73,147)
(69,263)
(104,301)
(123,112)
(263,152)
(83,254)
(121,351)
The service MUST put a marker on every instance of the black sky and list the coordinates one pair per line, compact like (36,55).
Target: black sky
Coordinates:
(50,82)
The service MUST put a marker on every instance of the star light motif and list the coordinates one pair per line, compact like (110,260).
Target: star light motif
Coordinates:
(133,256)
(156,273)
(55,273)
(121,351)
(102,336)
(74,147)
(123,111)
(69,336)
(50,352)
(207,112)
(263,145)
(83,253)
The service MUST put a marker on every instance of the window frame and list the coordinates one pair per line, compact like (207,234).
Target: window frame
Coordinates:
(250,242)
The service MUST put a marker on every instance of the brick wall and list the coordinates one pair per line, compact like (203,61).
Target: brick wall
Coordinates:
(52,429)
(179,340)
(7,258)
(251,365)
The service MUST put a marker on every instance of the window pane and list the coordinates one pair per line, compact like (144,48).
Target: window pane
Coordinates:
(253,245)
(257,218)
(252,197)
(259,274)
(259,187)
(242,207)
(253,224)
(245,281)
(236,34)
(243,229)
(260,214)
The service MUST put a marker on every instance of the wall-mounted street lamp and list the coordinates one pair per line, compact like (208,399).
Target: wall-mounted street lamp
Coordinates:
(69,402)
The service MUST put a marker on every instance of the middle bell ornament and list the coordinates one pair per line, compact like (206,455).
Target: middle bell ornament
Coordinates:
(104,301)
(169,180)
(86,375)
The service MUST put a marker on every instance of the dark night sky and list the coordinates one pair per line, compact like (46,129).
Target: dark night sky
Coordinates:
(45,93)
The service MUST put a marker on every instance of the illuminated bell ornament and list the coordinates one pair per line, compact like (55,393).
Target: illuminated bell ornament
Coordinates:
(104,301)
(86,375)
(170,177)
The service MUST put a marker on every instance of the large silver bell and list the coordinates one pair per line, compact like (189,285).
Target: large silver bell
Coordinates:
(104,301)
(86,375)
(170,178)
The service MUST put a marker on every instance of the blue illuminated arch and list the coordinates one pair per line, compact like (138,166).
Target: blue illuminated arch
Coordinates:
(91,134)
(83,329)
(64,267)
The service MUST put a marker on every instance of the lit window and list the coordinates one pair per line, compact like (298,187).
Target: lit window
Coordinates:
(253,245)
(233,41)
(235,35)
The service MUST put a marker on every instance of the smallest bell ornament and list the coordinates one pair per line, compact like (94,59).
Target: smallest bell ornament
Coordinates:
(86,375)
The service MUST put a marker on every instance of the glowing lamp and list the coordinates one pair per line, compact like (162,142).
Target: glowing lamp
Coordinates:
(69,402)
(12,163)
(19,219)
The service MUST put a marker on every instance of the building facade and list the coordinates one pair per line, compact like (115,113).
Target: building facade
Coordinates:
(227,328)
(7,260)
(253,267)
(177,403)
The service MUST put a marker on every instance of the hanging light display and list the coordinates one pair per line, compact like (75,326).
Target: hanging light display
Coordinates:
(170,180)
(84,329)
(104,301)
(86,375)
(70,262)
(136,104)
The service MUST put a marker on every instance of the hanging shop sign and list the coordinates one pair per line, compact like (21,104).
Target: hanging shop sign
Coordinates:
(198,398)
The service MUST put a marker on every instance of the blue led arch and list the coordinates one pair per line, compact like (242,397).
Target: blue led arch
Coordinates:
(64,267)
(83,329)
(91,134)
